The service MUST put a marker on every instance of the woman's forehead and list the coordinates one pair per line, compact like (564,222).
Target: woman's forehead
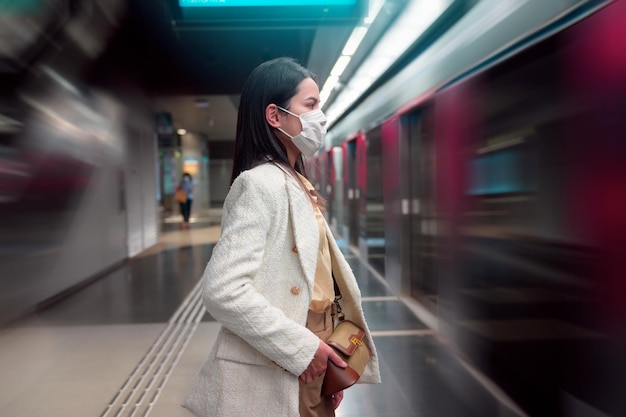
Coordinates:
(308,89)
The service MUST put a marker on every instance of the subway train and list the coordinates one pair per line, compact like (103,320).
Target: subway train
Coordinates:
(495,195)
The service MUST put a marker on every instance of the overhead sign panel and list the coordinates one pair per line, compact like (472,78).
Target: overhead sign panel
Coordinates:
(267,12)
(261,3)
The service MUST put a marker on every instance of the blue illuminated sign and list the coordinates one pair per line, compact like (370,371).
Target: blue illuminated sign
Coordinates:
(254,3)
(268,12)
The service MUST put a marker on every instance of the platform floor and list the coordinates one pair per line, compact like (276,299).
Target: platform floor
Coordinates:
(130,343)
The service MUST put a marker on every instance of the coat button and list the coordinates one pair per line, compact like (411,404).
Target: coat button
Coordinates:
(294,249)
(295,290)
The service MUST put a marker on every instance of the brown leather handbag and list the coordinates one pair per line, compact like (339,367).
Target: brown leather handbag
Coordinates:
(180,195)
(347,341)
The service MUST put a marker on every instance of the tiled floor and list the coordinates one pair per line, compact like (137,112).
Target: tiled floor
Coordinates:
(130,344)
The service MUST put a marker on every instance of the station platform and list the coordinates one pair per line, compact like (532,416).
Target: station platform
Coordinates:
(130,343)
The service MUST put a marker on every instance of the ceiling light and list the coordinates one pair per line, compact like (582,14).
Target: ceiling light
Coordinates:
(328,87)
(340,66)
(354,41)
(330,83)
(406,29)
(375,6)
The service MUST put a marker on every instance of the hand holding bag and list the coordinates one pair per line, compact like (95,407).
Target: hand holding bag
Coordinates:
(347,341)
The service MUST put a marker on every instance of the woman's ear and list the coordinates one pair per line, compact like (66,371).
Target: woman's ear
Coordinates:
(271,115)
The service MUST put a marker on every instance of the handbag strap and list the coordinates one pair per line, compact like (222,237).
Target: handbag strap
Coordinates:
(340,314)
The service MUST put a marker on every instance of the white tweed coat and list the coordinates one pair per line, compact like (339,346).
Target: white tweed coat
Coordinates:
(258,284)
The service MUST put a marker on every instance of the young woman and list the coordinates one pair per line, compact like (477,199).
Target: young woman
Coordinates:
(270,278)
(186,184)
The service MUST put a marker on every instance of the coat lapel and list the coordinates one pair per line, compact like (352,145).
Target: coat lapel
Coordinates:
(305,229)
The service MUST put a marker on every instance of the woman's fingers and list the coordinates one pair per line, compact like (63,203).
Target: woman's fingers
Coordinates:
(336,359)
(318,365)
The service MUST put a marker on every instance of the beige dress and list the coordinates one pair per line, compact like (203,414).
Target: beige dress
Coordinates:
(319,320)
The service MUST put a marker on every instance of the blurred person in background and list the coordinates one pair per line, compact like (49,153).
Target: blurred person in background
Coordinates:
(269,281)
(186,184)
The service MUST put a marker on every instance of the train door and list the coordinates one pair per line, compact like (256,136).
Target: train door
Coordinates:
(359,195)
(351,193)
(418,208)
(322,179)
(410,216)
(330,188)
(391,192)
(372,198)
(338,191)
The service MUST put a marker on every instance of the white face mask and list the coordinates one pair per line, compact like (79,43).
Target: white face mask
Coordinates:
(313,131)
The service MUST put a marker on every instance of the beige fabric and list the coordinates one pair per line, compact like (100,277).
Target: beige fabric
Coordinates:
(312,404)
(259,284)
(323,290)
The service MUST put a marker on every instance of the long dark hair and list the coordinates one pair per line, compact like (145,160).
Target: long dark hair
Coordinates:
(274,81)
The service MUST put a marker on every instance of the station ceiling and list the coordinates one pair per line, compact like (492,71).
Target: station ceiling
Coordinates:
(181,63)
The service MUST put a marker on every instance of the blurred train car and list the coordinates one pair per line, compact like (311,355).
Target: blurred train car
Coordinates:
(77,177)
(486,178)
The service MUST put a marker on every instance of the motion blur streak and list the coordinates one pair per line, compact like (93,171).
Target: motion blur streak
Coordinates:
(68,151)
(498,199)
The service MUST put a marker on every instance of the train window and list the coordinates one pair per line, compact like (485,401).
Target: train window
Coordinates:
(502,167)
(519,116)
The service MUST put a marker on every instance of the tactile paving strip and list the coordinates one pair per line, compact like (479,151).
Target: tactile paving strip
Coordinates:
(141,390)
